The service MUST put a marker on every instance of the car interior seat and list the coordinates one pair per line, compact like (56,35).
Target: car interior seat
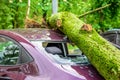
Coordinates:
(53,50)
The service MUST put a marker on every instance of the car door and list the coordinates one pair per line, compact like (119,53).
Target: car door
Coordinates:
(9,58)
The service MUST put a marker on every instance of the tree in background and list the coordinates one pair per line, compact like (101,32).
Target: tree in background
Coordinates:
(13,12)
(18,10)
(106,18)
(5,15)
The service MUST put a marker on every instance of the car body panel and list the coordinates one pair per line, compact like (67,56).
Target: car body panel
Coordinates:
(88,71)
(43,67)
(40,34)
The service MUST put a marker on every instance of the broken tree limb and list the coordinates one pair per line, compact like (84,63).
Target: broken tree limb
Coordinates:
(102,54)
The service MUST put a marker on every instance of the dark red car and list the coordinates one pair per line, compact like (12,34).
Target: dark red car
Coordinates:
(42,54)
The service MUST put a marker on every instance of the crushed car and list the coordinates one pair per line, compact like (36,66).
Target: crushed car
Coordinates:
(42,54)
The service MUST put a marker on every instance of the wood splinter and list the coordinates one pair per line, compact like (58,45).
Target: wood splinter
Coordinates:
(86,27)
(59,23)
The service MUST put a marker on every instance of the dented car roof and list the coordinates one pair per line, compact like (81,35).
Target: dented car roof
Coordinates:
(40,34)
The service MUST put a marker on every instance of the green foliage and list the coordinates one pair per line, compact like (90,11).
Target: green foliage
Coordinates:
(40,8)
(75,6)
(5,15)
(13,13)
(101,20)
(18,10)
(114,8)
(106,18)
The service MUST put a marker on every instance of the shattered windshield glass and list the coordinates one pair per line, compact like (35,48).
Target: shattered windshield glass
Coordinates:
(62,52)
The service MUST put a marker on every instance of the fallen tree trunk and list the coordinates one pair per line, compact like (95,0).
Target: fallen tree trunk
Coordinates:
(102,54)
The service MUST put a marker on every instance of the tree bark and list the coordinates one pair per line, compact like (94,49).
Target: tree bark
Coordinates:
(101,53)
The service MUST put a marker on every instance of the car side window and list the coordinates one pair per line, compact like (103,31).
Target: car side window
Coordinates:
(9,51)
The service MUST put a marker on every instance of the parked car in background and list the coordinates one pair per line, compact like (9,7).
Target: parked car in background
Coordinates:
(42,54)
(113,36)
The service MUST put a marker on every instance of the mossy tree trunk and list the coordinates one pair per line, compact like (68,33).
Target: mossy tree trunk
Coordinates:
(103,56)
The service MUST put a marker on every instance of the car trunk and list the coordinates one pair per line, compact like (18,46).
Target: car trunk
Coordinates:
(88,71)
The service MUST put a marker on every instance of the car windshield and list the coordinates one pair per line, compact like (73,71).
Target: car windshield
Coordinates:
(63,52)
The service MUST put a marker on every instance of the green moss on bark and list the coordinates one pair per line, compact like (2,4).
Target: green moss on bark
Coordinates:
(102,54)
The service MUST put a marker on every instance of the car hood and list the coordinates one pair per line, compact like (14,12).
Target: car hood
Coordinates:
(88,71)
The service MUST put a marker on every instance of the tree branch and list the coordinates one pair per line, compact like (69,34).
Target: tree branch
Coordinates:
(97,9)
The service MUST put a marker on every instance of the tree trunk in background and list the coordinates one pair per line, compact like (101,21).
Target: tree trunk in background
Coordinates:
(102,54)
(10,1)
(20,0)
(28,9)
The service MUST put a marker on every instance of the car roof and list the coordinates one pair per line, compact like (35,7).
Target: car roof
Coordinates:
(113,31)
(40,34)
